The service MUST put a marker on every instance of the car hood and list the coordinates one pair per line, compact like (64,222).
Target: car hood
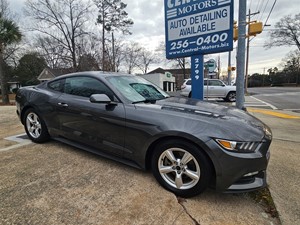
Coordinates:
(216,120)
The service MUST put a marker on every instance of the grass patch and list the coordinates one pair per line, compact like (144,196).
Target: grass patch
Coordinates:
(264,198)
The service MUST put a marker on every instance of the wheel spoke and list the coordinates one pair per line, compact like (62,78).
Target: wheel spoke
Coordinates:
(39,126)
(166,169)
(186,158)
(170,156)
(30,119)
(35,118)
(31,129)
(191,174)
(178,180)
(37,132)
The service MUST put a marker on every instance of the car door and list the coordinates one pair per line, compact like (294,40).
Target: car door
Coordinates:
(216,88)
(101,126)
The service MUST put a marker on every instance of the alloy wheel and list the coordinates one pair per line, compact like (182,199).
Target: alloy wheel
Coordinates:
(179,168)
(232,97)
(33,125)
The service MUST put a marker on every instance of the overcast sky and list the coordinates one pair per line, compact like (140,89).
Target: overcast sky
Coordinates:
(149,30)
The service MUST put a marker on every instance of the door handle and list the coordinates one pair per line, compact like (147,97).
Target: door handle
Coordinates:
(62,104)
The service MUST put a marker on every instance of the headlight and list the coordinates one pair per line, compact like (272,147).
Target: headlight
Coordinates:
(268,132)
(237,146)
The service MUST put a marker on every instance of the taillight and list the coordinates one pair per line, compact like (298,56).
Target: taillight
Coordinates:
(183,86)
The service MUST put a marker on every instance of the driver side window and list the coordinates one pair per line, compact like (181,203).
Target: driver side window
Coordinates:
(86,86)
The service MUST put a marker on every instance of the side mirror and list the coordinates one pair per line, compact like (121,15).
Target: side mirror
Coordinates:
(100,98)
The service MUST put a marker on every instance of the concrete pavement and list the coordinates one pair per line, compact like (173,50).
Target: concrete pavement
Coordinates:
(284,170)
(56,184)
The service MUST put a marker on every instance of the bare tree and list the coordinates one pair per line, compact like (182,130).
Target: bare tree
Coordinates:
(133,51)
(286,32)
(62,21)
(54,54)
(180,63)
(291,66)
(115,54)
(146,58)
(119,54)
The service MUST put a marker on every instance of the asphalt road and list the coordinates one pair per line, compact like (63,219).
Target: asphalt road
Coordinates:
(284,98)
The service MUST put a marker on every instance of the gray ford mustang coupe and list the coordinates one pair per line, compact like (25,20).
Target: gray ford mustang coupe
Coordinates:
(188,144)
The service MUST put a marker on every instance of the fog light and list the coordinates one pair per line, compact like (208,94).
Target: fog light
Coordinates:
(250,174)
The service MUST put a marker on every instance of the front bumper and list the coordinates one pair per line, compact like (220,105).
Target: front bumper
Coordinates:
(240,172)
(249,183)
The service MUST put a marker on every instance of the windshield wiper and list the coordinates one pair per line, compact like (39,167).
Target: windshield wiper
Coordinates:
(145,101)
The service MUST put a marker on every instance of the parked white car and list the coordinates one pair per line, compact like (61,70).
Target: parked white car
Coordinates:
(213,88)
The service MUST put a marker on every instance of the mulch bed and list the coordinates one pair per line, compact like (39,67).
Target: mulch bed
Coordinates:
(11,103)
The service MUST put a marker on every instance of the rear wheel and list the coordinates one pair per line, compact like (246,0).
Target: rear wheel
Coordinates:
(190,94)
(231,96)
(35,127)
(181,168)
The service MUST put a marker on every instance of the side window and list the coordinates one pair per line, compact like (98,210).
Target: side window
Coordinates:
(86,86)
(205,82)
(215,83)
(189,82)
(56,85)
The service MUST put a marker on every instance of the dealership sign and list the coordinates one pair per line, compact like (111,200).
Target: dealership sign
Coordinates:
(198,27)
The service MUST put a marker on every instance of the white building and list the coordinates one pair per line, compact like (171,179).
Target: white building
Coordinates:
(164,81)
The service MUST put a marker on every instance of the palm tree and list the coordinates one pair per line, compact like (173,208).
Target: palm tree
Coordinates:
(9,34)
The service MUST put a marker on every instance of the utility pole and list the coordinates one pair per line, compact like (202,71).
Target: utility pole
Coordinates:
(248,45)
(219,67)
(229,68)
(264,76)
(103,41)
(183,67)
(240,99)
(113,52)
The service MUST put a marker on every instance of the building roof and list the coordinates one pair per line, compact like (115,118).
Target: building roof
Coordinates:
(172,71)
(48,73)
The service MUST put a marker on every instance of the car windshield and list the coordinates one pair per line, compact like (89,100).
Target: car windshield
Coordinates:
(137,89)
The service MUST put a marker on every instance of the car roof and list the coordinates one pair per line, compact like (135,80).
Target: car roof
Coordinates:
(204,79)
(96,74)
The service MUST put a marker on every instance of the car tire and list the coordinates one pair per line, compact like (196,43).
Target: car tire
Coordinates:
(181,167)
(35,127)
(231,96)
(190,95)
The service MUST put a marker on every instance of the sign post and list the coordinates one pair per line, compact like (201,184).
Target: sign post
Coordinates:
(198,27)
(197,76)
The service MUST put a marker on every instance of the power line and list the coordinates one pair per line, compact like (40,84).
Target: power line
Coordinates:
(250,4)
(269,14)
(257,6)
(264,10)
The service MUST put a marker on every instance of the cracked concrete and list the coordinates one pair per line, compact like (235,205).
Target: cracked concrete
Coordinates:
(56,184)
(181,202)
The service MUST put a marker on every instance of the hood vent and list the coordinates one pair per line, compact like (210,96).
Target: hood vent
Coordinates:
(191,111)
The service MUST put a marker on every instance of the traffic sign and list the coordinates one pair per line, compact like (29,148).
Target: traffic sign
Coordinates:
(210,65)
(198,27)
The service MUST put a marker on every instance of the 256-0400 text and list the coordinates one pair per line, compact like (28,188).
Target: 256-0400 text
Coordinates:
(210,39)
